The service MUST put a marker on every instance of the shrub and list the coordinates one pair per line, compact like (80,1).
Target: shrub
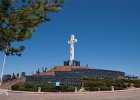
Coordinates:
(15,87)
(44,87)
(105,88)
(67,88)
(93,84)
(137,85)
(118,88)
(91,88)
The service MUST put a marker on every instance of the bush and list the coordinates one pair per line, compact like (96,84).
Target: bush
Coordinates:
(118,88)
(67,88)
(48,88)
(104,88)
(44,87)
(32,87)
(91,88)
(89,85)
(137,85)
(105,84)
(15,87)
(93,84)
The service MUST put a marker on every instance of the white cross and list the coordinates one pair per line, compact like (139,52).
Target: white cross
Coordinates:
(72,41)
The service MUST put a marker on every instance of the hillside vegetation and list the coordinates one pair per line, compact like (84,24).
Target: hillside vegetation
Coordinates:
(88,84)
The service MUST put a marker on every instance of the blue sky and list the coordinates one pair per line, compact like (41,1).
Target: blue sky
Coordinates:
(108,33)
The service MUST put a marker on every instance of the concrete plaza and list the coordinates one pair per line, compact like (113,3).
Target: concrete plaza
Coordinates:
(106,95)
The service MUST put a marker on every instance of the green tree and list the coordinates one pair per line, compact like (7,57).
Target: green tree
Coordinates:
(19,19)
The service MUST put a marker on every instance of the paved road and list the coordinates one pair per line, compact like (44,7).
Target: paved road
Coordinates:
(119,95)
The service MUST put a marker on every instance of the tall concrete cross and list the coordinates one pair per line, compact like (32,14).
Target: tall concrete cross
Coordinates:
(72,41)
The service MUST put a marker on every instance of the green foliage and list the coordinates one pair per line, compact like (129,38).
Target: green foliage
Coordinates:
(19,19)
(93,84)
(67,88)
(105,84)
(105,88)
(91,88)
(47,87)
(44,87)
(137,85)
(89,85)
(135,81)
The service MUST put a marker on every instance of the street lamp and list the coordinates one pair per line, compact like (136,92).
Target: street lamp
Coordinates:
(6,50)
(3,65)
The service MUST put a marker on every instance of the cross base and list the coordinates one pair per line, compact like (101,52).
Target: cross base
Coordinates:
(72,63)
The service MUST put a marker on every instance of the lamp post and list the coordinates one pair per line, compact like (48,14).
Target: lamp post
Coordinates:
(3,65)
(6,50)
